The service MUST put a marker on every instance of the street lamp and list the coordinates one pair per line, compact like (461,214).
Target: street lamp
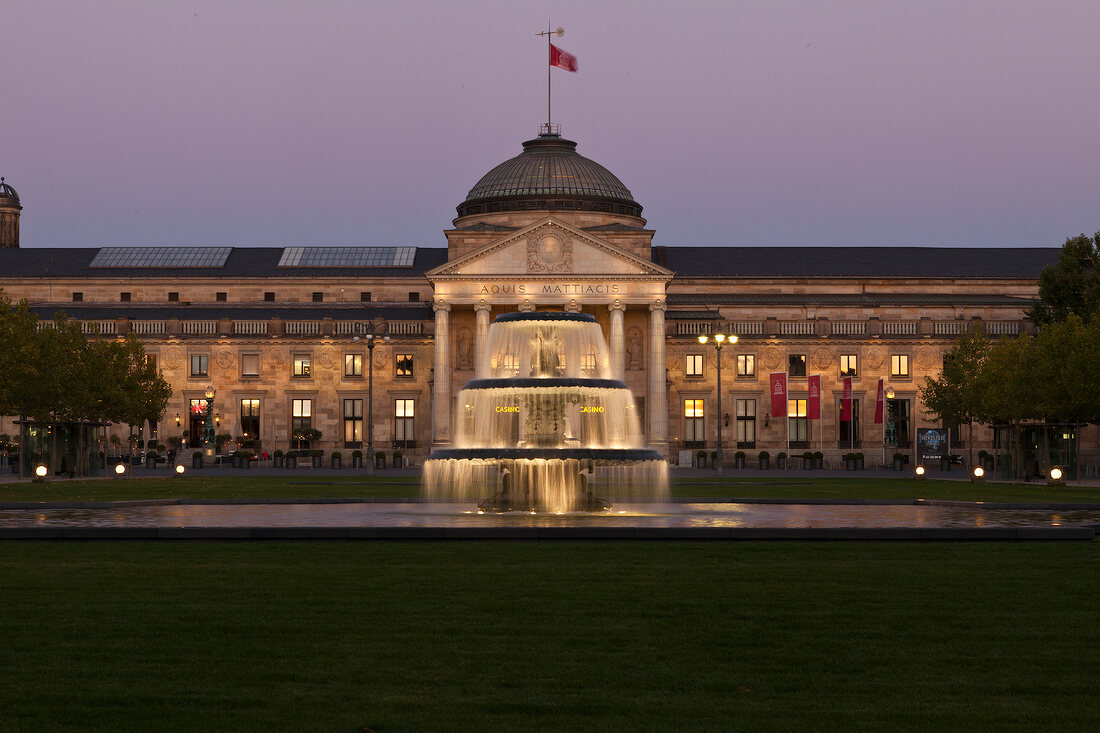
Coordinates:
(177,419)
(208,440)
(367,331)
(719,341)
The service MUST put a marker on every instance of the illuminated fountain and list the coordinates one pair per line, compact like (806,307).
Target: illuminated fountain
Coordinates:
(550,429)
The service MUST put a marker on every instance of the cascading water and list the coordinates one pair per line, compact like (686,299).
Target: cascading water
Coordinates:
(550,429)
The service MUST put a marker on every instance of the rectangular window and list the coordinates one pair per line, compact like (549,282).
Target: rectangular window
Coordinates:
(364,297)
(847,430)
(798,424)
(746,365)
(353,365)
(404,365)
(899,415)
(196,421)
(508,364)
(250,365)
(269,297)
(151,360)
(746,423)
(694,435)
(693,365)
(78,297)
(588,363)
(302,365)
(173,297)
(199,365)
(899,365)
(318,297)
(796,365)
(220,297)
(124,297)
(849,366)
(414,297)
(404,428)
(353,423)
(301,419)
(250,419)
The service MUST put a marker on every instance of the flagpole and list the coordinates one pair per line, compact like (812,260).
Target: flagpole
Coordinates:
(559,32)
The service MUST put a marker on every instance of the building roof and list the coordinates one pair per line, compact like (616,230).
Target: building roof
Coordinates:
(717,262)
(548,167)
(856,262)
(8,193)
(242,311)
(259,262)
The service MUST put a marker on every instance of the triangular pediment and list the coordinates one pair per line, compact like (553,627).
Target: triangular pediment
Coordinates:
(549,248)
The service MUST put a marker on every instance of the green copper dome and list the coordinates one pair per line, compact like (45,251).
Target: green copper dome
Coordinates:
(549,174)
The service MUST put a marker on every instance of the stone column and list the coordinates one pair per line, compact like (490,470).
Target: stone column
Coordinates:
(616,340)
(481,340)
(658,393)
(441,392)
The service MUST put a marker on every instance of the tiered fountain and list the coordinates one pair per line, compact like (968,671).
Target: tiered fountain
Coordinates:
(550,429)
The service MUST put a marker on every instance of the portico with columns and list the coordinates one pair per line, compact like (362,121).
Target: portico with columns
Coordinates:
(551,265)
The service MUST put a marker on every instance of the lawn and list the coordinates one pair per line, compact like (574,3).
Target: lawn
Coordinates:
(310,486)
(549,636)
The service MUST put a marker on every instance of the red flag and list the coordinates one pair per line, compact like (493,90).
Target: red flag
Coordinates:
(878,403)
(562,59)
(778,382)
(846,400)
(813,408)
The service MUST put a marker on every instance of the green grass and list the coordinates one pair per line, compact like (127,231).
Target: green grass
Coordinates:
(549,636)
(309,486)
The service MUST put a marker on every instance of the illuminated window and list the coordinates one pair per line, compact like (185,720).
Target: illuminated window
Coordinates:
(798,424)
(848,430)
(302,365)
(849,366)
(404,365)
(301,420)
(588,363)
(746,365)
(899,365)
(250,419)
(404,427)
(353,365)
(693,365)
(746,423)
(318,297)
(693,422)
(353,423)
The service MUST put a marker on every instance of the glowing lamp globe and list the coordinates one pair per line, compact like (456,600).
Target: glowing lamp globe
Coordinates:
(979,472)
(41,471)
(120,469)
(179,470)
(1056,474)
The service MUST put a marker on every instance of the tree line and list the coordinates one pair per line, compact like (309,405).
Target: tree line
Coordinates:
(50,372)
(1051,377)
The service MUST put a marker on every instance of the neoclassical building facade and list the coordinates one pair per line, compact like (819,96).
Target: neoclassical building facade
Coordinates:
(371,345)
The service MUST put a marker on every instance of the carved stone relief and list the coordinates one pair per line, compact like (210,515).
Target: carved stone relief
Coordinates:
(173,358)
(327,358)
(549,250)
(823,358)
(634,349)
(926,358)
(874,357)
(278,358)
(772,358)
(464,356)
(224,358)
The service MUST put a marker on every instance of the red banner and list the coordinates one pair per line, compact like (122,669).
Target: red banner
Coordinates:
(813,406)
(562,59)
(778,382)
(846,400)
(879,403)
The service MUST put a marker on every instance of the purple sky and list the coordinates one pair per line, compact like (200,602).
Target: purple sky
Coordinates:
(841,122)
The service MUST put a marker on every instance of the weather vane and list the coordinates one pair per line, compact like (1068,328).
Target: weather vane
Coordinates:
(558,58)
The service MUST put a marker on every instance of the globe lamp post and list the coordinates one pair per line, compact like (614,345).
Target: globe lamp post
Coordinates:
(719,342)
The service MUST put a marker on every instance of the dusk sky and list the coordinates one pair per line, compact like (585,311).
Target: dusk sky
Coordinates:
(830,122)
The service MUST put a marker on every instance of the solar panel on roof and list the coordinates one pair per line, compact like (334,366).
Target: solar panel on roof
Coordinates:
(347,257)
(161,257)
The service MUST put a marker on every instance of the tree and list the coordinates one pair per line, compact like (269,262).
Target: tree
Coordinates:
(952,396)
(1071,285)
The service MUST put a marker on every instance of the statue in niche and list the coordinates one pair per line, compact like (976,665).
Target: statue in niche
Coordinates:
(634,351)
(465,350)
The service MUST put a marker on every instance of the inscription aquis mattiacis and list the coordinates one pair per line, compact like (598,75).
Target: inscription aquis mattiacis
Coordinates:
(552,289)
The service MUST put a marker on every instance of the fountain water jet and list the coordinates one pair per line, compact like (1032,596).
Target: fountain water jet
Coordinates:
(550,429)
